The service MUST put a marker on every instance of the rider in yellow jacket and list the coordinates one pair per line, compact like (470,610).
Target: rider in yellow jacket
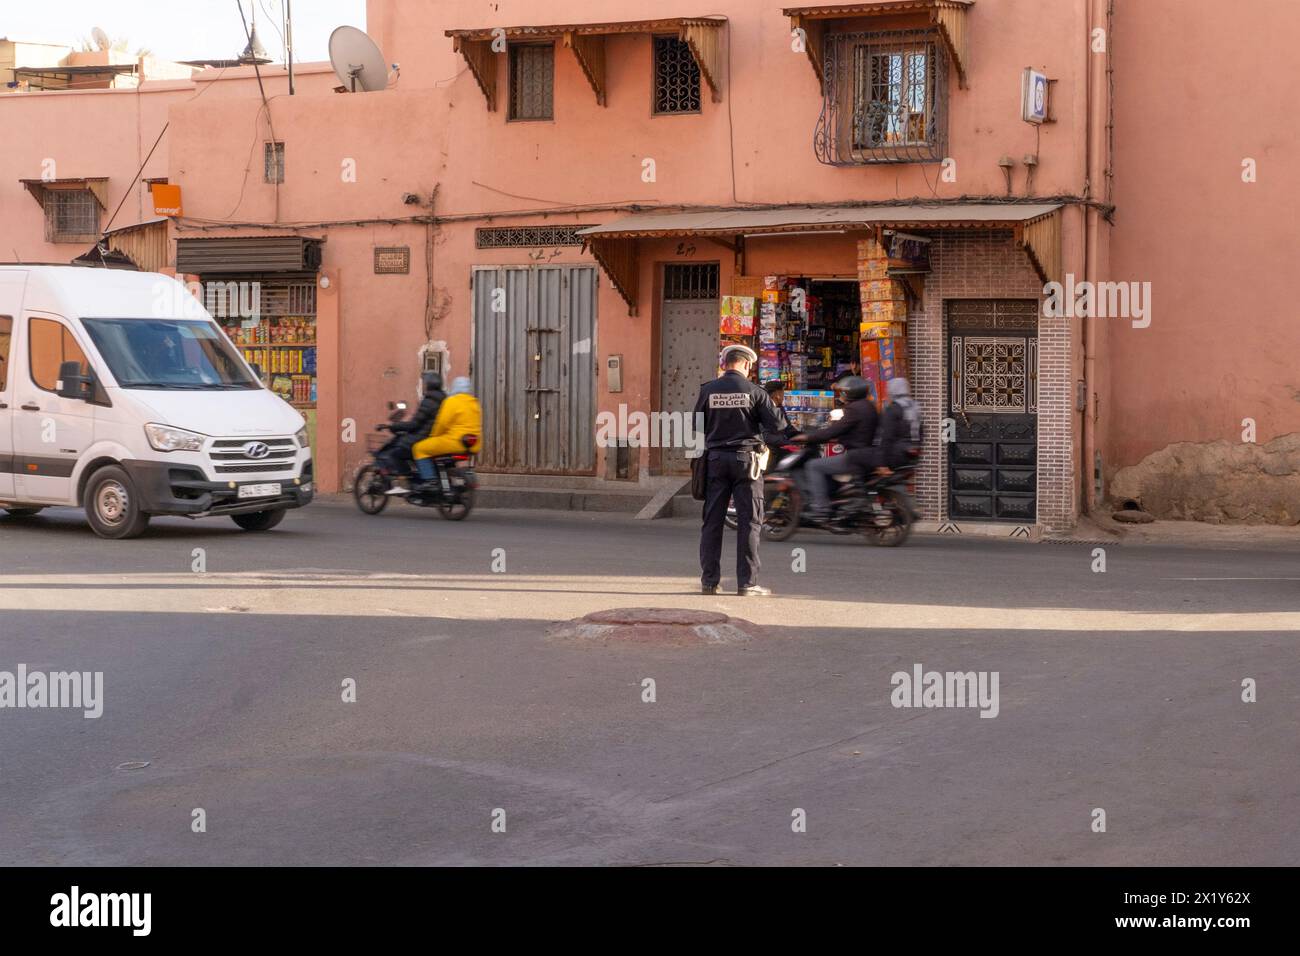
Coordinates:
(460,415)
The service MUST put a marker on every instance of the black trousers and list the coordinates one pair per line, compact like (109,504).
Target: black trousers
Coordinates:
(729,480)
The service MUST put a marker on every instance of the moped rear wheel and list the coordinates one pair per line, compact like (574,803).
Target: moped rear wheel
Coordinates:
(900,526)
(459,509)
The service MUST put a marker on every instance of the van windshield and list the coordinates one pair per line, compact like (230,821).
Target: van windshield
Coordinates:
(169,354)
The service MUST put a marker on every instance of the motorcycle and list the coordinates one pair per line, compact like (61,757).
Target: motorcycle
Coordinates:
(878,507)
(389,468)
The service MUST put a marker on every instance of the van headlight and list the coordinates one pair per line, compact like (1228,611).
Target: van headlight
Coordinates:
(302,437)
(166,438)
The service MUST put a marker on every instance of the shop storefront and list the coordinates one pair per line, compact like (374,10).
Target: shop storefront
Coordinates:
(811,332)
(263,292)
(947,296)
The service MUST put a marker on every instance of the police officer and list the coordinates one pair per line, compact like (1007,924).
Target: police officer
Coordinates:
(736,415)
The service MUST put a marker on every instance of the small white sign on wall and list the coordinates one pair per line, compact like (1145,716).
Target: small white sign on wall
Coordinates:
(1035,96)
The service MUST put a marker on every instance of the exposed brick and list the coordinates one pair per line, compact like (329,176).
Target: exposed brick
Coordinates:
(987,264)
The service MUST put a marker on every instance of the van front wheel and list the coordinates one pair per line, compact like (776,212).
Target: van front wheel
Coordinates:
(112,505)
(260,520)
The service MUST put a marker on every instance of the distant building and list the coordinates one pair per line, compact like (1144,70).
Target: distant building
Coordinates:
(30,67)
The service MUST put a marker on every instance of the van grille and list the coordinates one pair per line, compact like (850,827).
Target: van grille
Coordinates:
(229,456)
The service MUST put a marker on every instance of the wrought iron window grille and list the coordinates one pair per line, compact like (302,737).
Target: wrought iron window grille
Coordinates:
(273,163)
(71,215)
(677,77)
(885,99)
(526,237)
(691,281)
(532,81)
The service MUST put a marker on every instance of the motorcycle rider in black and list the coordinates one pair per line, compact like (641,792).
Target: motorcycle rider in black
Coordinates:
(418,426)
(856,430)
(898,439)
(737,414)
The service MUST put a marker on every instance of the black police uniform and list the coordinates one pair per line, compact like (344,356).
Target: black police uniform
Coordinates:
(736,415)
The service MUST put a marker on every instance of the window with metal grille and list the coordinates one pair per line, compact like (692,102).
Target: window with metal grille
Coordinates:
(691,281)
(71,215)
(677,77)
(886,97)
(273,163)
(532,81)
(526,237)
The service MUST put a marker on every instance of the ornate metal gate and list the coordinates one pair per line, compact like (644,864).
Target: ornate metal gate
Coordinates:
(993,398)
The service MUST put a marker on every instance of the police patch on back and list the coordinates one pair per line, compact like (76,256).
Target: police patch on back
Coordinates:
(729,400)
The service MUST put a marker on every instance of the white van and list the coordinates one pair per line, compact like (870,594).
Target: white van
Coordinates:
(120,393)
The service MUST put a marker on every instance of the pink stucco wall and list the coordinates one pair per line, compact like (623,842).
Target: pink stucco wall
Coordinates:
(85,134)
(1199,89)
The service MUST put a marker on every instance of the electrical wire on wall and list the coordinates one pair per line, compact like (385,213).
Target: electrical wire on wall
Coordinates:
(266,106)
(429,238)
(145,162)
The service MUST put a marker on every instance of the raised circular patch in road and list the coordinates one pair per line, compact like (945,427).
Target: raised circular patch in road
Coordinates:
(654,625)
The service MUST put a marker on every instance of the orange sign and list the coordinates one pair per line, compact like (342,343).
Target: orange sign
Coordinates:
(166,200)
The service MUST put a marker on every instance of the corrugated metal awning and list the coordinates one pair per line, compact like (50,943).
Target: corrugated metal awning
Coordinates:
(225,254)
(947,16)
(587,40)
(813,218)
(614,244)
(136,226)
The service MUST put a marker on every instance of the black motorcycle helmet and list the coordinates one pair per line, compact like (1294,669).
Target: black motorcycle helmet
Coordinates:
(432,382)
(853,388)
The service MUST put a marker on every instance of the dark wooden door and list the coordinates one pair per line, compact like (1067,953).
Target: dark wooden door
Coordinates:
(993,398)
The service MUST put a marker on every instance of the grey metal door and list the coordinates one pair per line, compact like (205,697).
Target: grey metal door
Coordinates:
(993,398)
(688,353)
(534,357)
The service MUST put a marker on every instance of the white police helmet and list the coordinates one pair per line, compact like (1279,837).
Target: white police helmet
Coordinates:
(744,351)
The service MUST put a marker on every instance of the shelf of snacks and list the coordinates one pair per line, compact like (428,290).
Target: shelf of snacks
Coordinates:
(284,349)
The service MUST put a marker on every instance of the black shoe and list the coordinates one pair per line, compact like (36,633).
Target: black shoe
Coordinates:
(754,590)
(708,589)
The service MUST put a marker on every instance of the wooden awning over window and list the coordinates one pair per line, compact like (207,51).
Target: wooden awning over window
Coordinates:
(480,46)
(947,16)
(98,185)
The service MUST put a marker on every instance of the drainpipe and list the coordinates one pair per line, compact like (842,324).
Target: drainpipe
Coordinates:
(1095,172)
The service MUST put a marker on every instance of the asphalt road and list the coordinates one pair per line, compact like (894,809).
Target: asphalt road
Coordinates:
(1119,691)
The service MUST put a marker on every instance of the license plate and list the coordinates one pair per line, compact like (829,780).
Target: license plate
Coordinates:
(259,491)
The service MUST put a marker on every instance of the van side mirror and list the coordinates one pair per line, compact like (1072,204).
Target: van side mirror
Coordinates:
(72,384)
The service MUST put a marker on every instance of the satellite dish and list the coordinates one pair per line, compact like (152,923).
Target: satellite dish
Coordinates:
(358,61)
(102,42)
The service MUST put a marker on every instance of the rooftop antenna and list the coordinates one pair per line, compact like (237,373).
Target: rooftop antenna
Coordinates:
(102,42)
(288,42)
(358,61)
(254,52)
